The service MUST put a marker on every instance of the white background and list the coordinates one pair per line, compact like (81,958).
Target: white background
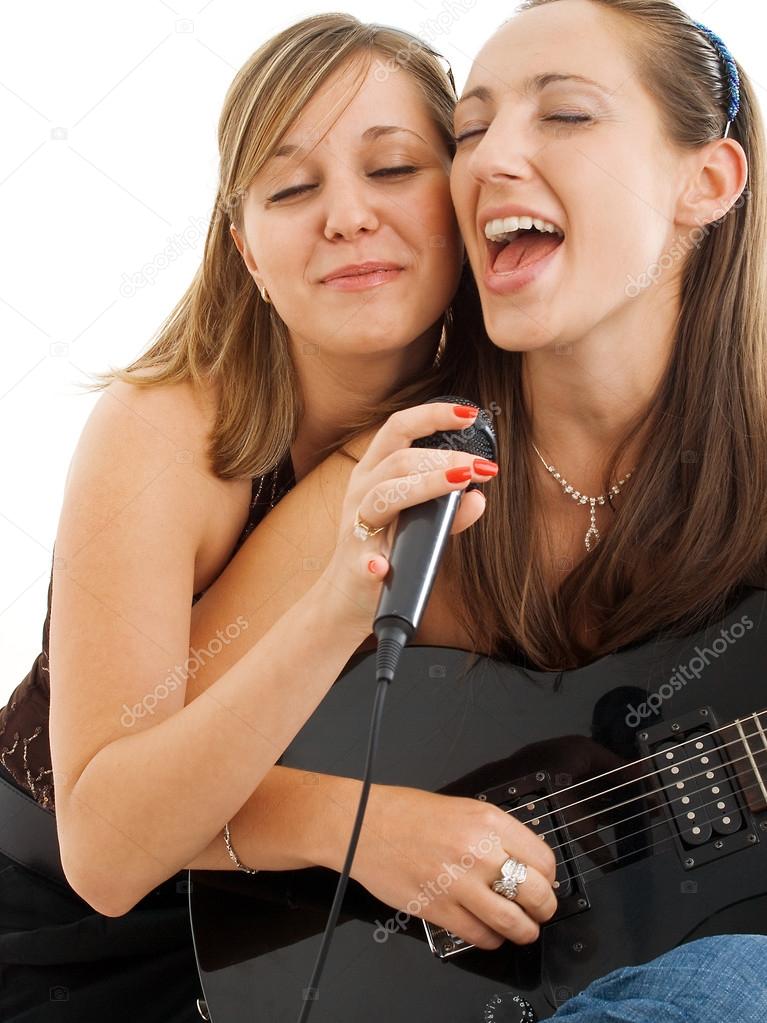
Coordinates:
(109,157)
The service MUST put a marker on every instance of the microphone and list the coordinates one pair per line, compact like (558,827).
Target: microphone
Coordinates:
(419,542)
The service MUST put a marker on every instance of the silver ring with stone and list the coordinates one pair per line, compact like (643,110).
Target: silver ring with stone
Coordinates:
(513,874)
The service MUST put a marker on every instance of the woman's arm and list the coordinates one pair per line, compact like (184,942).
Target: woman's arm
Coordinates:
(294,818)
(144,779)
(144,782)
(278,564)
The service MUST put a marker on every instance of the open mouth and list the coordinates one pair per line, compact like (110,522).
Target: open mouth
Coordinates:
(522,248)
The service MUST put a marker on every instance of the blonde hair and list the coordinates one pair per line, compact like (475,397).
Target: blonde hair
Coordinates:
(221,329)
(692,525)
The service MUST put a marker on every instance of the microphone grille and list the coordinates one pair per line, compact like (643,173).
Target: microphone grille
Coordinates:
(477,439)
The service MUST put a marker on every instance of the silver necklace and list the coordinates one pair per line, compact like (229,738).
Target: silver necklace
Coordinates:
(576,495)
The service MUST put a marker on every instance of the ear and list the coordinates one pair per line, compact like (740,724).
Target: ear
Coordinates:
(718,179)
(247,255)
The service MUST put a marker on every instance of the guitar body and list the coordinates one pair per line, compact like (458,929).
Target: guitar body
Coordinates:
(637,874)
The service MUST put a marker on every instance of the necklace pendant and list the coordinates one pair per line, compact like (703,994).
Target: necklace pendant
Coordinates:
(592,537)
(592,531)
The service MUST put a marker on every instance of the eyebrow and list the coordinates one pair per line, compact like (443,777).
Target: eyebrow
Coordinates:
(531,85)
(371,134)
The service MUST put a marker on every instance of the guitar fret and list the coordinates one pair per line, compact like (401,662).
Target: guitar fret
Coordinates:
(750,755)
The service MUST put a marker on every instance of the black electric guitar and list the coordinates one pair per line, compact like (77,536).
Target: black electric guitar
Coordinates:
(646,772)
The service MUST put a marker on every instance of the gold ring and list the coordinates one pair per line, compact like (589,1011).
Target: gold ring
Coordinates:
(362,530)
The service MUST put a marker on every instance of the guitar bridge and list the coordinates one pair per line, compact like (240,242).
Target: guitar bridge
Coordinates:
(532,800)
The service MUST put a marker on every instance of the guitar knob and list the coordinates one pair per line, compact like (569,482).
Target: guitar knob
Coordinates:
(508,1007)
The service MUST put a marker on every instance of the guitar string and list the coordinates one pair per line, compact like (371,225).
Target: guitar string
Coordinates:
(644,795)
(652,792)
(624,820)
(663,788)
(635,763)
(614,858)
(631,852)
(642,852)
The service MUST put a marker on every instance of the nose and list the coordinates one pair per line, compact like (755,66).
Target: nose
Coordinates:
(349,209)
(502,153)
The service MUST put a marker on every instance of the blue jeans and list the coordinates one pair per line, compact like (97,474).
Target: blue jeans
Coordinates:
(721,979)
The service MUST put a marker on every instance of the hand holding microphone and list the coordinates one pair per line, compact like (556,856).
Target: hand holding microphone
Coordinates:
(408,492)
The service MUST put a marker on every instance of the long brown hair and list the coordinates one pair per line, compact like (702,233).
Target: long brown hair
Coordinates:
(221,330)
(691,527)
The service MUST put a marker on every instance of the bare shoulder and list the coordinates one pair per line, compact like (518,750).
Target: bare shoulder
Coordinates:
(177,417)
(171,425)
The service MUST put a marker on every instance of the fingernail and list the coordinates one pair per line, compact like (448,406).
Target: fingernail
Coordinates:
(459,475)
(465,411)
(484,467)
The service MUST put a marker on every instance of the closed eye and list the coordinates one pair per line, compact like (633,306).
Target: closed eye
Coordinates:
(468,134)
(387,172)
(384,172)
(567,118)
(288,192)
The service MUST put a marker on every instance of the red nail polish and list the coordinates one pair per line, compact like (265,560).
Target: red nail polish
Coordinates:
(465,411)
(458,475)
(484,467)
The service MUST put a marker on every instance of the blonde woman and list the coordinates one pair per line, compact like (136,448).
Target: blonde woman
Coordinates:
(636,347)
(332,293)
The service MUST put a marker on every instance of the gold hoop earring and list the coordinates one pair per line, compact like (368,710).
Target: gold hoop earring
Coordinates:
(264,293)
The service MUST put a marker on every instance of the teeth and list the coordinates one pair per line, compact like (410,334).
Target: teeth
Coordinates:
(499,230)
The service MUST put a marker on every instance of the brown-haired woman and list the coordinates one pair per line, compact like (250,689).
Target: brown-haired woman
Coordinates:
(324,301)
(637,348)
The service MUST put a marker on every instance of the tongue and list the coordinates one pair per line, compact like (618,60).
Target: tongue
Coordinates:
(528,247)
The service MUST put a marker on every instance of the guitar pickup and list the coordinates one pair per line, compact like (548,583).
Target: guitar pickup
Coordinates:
(693,762)
(532,800)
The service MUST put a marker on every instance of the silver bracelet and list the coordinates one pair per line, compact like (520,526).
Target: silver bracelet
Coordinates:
(233,854)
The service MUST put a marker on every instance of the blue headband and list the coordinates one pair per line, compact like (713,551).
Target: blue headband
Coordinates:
(733,78)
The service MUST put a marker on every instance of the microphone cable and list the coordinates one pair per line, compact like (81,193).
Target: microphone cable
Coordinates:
(395,624)
(391,642)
